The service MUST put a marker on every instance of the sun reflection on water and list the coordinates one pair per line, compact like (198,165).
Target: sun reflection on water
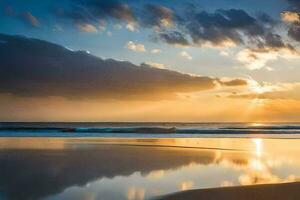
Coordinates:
(135,193)
(186,185)
(258,146)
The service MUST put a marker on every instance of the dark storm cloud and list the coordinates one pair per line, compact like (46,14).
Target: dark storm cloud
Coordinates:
(31,67)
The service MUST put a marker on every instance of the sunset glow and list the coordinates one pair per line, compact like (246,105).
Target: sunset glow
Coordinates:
(149,61)
(151,99)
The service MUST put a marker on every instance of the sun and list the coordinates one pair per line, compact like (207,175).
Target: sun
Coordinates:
(259,88)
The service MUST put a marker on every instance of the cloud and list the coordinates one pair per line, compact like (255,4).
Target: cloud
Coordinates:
(224,53)
(135,46)
(293,18)
(294,31)
(173,37)
(29,19)
(92,11)
(156,16)
(255,60)
(118,26)
(149,15)
(156,51)
(275,42)
(271,49)
(36,68)
(185,55)
(155,65)
(234,82)
(295,4)
(109,34)
(221,27)
(290,17)
(266,19)
(26,17)
(87,27)
(131,27)
(102,25)
(192,27)
(280,91)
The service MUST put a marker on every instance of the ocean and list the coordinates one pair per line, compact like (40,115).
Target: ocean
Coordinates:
(148,129)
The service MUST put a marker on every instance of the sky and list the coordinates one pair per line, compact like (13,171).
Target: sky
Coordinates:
(139,60)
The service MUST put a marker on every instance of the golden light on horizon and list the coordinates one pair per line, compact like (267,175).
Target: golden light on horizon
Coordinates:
(256,124)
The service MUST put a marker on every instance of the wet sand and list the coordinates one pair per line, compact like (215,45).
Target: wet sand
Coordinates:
(145,168)
(284,191)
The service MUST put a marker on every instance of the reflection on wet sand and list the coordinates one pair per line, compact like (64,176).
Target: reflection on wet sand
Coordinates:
(31,174)
(139,169)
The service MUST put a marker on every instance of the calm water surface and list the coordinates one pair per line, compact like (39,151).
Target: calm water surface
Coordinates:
(136,169)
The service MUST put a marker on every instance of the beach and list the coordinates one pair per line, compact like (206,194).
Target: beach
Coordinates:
(147,168)
(149,100)
(288,191)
